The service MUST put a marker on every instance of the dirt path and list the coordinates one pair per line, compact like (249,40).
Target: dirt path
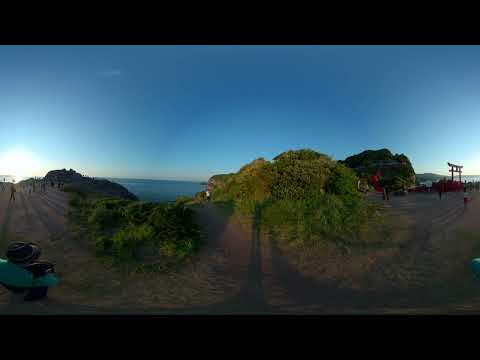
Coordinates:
(430,274)
(243,271)
(89,286)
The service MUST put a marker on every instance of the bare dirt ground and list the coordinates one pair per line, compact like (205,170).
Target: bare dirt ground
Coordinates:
(89,286)
(244,271)
(428,271)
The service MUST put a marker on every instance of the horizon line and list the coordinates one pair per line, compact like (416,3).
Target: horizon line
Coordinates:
(111,177)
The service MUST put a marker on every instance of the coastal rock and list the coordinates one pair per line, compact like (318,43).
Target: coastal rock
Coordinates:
(87,184)
(396,170)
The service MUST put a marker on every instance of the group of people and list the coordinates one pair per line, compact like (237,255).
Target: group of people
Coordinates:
(30,187)
(21,273)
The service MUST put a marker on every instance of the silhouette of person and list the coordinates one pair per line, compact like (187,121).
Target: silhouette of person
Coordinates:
(12,193)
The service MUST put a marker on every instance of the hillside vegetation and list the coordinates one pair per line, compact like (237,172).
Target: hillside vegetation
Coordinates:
(143,234)
(302,194)
(396,170)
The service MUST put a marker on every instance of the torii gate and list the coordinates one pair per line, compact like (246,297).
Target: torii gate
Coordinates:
(456,168)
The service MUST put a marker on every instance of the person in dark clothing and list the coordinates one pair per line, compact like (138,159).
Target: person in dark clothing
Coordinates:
(12,193)
(21,273)
(440,192)
(387,193)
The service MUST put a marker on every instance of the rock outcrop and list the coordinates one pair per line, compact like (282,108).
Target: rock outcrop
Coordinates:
(86,184)
(396,170)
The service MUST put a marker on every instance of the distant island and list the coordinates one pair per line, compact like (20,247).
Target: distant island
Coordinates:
(74,181)
(430,177)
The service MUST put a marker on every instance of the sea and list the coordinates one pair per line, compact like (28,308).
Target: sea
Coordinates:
(468,178)
(169,190)
(159,190)
(148,190)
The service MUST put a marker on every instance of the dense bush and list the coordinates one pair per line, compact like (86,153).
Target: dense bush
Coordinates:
(342,181)
(75,190)
(299,175)
(200,196)
(124,229)
(324,216)
(303,193)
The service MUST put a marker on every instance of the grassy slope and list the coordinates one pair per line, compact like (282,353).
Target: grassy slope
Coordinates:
(303,195)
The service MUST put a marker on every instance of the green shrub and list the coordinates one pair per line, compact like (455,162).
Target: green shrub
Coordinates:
(129,239)
(200,196)
(183,200)
(73,189)
(124,229)
(342,182)
(303,194)
(101,217)
(137,213)
(296,175)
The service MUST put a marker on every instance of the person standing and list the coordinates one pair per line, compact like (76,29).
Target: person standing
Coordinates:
(465,198)
(207,194)
(387,193)
(440,192)
(12,192)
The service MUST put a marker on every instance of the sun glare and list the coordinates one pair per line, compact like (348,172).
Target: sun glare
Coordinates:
(18,163)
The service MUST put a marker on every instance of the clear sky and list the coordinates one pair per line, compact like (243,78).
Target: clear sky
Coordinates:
(189,112)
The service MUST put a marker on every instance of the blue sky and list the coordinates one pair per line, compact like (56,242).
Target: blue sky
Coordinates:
(189,112)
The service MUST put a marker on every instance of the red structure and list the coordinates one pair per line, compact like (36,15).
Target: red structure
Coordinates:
(450,185)
(374,180)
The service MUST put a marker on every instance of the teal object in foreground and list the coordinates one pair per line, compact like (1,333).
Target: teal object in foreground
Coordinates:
(476,267)
(47,280)
(14,275)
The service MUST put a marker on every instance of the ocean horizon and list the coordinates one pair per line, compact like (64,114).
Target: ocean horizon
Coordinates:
(146,189)
(159,190)
(169,190)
